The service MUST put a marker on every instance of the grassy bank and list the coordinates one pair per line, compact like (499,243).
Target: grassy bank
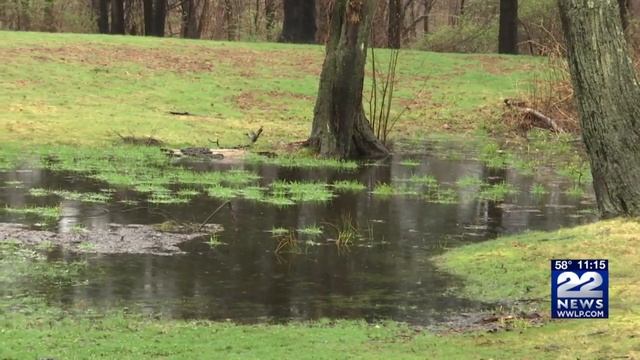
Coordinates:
(507,269)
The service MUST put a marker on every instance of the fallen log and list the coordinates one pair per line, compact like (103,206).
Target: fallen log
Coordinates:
(521,107)
(213,154)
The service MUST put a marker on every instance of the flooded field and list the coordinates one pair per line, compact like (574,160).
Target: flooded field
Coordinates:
(357,244)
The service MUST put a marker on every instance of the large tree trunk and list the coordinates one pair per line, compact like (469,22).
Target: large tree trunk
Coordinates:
(103,16)
(340,128)
(189,20)
(394,31)
(117,17)
(608,98)
(508,34)
(299,24)
(147,9)
(159,17)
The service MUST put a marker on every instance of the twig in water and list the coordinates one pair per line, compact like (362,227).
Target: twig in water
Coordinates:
(213,214)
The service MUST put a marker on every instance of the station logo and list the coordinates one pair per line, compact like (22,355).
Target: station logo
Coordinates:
(580,289)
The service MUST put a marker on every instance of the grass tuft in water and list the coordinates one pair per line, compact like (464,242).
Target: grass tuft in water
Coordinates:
(311,230)
(46,213)
(410,163)
(538,190)
(221,192)
(496,192)
(348,186)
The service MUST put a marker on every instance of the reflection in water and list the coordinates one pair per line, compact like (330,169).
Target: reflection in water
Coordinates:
(387,274)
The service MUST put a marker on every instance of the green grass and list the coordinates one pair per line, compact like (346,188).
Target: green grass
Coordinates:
(128,85)
(45,213)
(311,230)
(348,186)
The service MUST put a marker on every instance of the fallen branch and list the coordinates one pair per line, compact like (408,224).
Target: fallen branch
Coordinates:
(213,214)
(521,107)
(181,113)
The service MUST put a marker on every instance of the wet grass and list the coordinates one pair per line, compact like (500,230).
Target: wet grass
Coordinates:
(496,192)
(538,190)
(348,186)
(311,230)
(100,198)
(47,214)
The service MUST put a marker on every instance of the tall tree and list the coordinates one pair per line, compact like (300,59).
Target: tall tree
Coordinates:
(394,30)
(159,17)
(428,5)
(340,128)
(49,23)
(189,28)
(147,11)
(299,25)
(230,20)
(270,16)
(117,17)
(508,34)
(608,98)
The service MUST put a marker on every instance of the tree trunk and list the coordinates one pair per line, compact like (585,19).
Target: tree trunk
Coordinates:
(394,31)
(624,13)
(608,98)
(299,24)
(117,17)
(508,35)
(270,16)
(230,21)
(147,8)
(340,128)
(49,18)
(103,16)
(189,20)
(159,17)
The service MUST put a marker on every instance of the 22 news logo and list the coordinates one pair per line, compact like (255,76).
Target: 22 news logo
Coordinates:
(580,289)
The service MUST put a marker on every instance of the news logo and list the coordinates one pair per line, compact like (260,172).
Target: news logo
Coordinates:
(580,289)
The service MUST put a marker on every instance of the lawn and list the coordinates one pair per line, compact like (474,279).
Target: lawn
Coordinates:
(507,269)
(81,90)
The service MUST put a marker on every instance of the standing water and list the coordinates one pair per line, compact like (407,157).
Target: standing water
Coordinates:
(249,272)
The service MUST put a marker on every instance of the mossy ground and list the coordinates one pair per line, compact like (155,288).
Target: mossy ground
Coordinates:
(507,269)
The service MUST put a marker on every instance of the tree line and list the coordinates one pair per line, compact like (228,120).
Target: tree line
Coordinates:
(440,25)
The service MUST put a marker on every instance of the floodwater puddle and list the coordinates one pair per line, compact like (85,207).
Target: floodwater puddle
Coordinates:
(363,251)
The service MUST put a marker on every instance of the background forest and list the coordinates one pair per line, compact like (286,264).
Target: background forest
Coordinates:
(436,25)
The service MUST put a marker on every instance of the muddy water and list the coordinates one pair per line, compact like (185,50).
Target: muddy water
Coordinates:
(386,274)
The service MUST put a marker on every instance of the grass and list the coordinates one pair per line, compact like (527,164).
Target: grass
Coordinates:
(272,85)
(45,213)
(102,198)
(496,192)
(348,186)
(538,190)
(507,269)
(311,230)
